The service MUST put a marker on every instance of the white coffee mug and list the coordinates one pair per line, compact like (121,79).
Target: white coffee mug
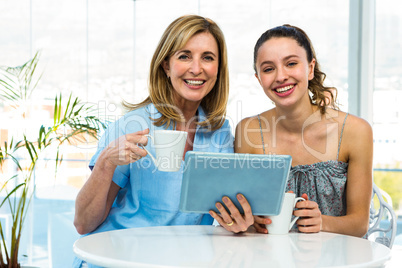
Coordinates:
(281,223)
(169,148)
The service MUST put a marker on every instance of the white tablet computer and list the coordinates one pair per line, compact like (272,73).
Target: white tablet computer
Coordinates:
(208,177)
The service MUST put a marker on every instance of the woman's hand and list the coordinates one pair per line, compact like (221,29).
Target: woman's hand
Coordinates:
(310,220)
(96,197)
(260,224)
(234,222)
(125,149)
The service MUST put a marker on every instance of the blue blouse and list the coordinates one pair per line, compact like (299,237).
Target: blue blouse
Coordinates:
(149,197)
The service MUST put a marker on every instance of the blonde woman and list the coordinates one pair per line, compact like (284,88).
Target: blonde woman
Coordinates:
(188,91)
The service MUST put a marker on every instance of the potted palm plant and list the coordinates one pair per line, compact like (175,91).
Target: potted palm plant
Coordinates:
(72,122)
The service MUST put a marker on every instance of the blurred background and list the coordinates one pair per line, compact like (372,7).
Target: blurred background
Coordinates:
(100,51)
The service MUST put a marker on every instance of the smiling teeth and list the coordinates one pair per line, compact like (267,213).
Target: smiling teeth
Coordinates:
(283,89)
(195,82)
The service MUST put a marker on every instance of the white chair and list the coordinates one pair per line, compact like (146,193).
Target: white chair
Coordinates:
(382,220)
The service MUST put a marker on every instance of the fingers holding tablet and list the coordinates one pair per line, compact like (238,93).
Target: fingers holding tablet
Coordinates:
(260,223)
(233,220)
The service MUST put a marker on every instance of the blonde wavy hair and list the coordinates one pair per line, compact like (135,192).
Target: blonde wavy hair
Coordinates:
(160,88)
(321,95)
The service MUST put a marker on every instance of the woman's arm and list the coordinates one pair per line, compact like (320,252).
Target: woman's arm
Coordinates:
(96,197)
(357,144)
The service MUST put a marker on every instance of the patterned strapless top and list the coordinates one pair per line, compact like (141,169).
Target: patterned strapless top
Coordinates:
(324,183)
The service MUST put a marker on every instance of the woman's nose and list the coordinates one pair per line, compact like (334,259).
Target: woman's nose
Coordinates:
(196,67)
(281,74)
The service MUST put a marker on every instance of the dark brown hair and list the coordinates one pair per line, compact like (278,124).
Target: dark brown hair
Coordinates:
(320,95)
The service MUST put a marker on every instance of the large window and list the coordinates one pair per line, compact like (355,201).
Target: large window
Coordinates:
(100,51)
(102,55)
(387,111)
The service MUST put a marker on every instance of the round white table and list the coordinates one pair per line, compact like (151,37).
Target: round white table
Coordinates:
(209,246)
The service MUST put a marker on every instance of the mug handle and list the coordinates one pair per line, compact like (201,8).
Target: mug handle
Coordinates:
(297,199)
(149,153)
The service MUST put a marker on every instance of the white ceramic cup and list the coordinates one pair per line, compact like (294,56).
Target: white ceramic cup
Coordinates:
(281,223)
(169,148)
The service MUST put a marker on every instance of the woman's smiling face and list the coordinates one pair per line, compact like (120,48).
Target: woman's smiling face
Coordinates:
(283,70)
(193,70)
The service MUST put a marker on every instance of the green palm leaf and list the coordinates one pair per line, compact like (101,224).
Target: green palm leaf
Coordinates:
(17,83)
(71,122)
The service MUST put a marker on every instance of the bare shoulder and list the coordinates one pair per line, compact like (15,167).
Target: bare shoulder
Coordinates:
(248,122)
(246,127)
(357,138)
(248,135)
(353,124)
(255,122)
(356,126)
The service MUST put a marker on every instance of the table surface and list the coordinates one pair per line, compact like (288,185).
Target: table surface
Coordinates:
(210,246)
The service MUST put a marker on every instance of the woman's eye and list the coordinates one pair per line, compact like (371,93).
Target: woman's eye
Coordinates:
(183,57)
(209,58)
(266,70)
(292,63)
